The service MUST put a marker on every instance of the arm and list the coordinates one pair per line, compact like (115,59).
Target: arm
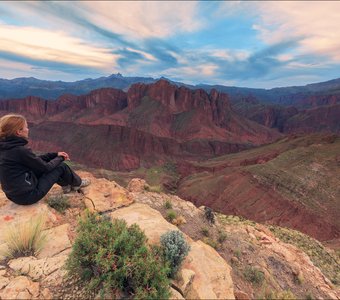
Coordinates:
(36,163)
(48,156)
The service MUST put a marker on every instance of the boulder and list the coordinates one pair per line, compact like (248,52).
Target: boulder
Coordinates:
(57,241)
(21,287)
(103,195)
(38,268)
(212,278)
(136,185)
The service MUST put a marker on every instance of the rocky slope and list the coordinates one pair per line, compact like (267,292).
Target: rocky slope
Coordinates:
(292,183)
(220,265)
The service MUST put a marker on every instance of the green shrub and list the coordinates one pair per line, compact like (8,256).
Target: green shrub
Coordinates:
(168,204)
(112,256)
(222,236)
(25,239)
(59,202)
(171,215)
(253,275)
(205,231)
(237,253)
(175,249)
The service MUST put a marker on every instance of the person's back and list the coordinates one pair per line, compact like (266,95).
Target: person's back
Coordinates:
(25,177)
(16,178)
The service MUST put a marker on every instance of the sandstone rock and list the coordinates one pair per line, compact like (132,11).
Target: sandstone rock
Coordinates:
(104,195)
(57,241)
(136,185)
(175,294)
(3,282)
(186,279)
(239,295)
(38,268)
(21,288)
(3,199)
(212,279)
(234,260)
(148,219)
(46,294)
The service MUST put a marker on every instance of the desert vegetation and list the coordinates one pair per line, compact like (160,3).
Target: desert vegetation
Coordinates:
(114,258)
(25,239)
(59,202)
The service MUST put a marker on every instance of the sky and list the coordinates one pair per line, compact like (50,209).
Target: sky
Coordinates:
(258,44)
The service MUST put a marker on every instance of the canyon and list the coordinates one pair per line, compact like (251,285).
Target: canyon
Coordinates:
(237,157)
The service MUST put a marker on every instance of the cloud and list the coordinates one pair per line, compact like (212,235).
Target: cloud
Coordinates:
(315,23)
(131,19)
(42,45)
(144,19)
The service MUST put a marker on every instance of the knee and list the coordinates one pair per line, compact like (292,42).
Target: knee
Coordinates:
(63,166)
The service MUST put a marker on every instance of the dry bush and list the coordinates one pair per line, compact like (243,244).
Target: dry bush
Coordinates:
(26,238)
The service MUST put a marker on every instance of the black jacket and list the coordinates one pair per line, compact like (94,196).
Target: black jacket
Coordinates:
(20,168)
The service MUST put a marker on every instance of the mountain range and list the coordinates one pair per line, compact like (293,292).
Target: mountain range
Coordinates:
(22,87)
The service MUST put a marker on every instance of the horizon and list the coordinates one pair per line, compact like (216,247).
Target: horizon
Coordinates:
(235,43)
(196,85)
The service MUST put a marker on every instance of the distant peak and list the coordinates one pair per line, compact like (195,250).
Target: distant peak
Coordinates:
(118,75)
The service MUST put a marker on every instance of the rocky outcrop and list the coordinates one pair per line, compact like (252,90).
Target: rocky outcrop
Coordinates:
(205,273)
(212,279)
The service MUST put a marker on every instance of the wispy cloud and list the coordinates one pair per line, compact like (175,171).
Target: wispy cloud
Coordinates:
(43,45)
(252,43)
(315,23)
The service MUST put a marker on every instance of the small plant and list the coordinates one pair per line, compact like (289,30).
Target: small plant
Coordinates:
(168,204)
(237,253)
(309,296)
(153,188)
(175,249)
(171,215)
(59,202)
(222,236)
(25,239)
(253,275)
(179,221)
(156,189)
(110,256)
(211,242)
(209,215)
(298,279)
(205,231)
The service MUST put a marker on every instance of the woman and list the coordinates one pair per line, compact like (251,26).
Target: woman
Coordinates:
(26,177)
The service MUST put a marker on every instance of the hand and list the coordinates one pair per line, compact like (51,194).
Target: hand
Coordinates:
(64,155)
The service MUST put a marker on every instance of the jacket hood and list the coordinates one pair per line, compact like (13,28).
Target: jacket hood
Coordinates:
(11,142)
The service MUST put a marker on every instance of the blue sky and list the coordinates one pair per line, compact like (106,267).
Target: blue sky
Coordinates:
(262,44)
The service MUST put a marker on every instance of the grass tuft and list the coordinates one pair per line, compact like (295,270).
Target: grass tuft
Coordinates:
(25,239)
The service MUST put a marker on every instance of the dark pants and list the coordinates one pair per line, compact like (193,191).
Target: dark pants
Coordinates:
(62,175)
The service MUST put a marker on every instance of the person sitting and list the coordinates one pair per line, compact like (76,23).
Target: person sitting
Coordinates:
(25,177)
